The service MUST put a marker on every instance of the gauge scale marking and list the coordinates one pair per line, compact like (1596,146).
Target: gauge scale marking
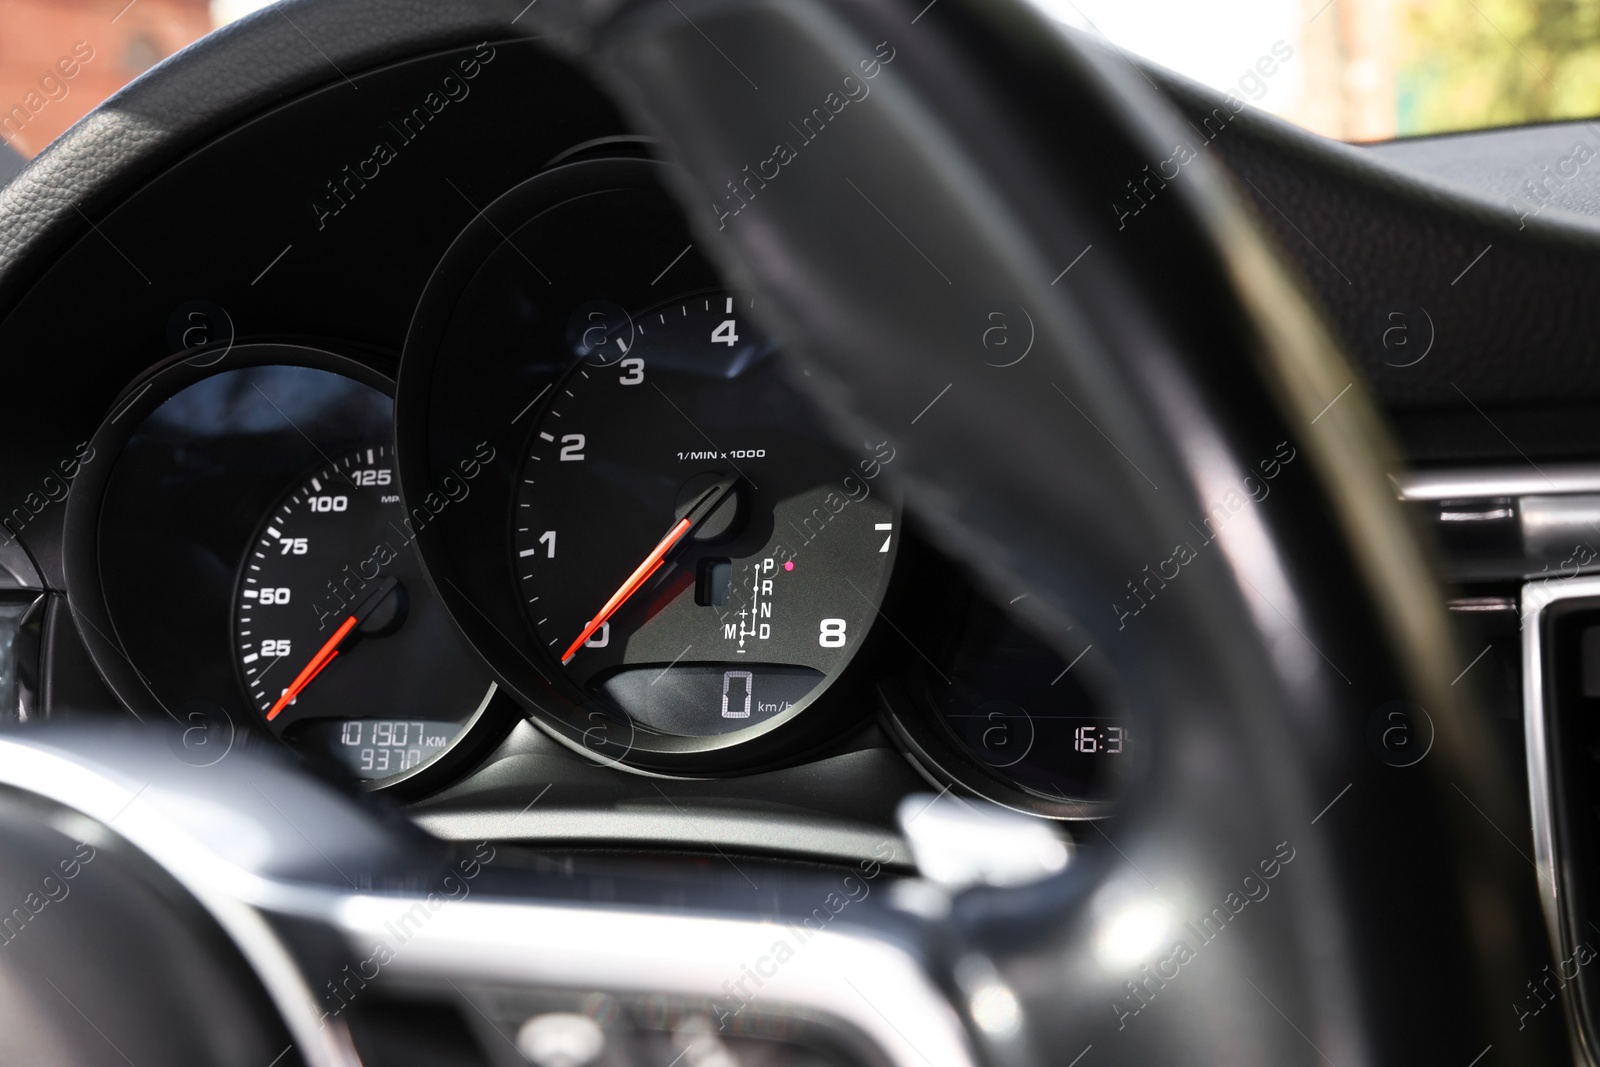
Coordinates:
(690,547)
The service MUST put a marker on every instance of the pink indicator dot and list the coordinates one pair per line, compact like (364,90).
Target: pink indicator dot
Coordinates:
(789,565)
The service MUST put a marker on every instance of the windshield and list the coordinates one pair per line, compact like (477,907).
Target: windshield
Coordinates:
(1370,70)
(1356,70)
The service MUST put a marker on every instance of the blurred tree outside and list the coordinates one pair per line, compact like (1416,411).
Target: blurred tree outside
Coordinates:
(1362,70)
(1467,64)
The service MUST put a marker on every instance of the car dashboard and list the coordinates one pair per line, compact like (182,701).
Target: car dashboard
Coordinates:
(404,431)
(527,344)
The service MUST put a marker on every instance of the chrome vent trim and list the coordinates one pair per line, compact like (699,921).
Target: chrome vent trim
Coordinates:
(1536,598)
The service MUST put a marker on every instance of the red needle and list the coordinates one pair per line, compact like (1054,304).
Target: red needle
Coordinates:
(324,656)
(629,587)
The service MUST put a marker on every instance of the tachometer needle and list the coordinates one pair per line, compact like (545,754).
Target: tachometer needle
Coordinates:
(330,648)
(640,575)
(697,511)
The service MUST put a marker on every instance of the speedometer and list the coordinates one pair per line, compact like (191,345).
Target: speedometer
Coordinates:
(333,614)
(690,548)
(243,565)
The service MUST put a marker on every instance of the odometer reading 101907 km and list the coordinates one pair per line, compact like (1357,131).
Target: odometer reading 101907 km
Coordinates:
(690,547)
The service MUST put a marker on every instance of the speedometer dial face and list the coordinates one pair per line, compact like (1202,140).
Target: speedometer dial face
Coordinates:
(333,613)
(689,547)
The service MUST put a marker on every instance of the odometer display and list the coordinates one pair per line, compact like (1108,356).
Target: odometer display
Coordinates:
(690,548)
(378,748)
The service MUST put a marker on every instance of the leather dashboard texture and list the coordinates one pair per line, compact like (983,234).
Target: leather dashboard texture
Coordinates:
(1556,158)
(197,94)
(1428,231)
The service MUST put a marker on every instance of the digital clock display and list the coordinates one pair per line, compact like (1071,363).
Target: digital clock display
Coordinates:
(1029,717)
(1092,739)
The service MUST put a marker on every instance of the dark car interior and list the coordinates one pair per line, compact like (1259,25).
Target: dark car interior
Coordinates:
(789,533)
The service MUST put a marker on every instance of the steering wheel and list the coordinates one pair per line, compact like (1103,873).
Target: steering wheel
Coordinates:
(997,244)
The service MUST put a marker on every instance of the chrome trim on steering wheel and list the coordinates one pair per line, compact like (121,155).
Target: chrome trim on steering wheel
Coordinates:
(844,972)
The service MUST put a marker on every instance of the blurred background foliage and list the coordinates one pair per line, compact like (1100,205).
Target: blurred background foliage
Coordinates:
(1369,70)
(1467,64)
(1356,70)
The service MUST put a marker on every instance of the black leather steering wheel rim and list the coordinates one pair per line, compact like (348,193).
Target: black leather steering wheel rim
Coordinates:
(1182,355)
(1189,347)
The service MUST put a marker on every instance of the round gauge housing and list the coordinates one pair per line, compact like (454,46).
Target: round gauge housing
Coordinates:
(207,569)
(999,714)
(577,352)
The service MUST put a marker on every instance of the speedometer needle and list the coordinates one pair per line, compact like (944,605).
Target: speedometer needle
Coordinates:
(331,647)
(700,509)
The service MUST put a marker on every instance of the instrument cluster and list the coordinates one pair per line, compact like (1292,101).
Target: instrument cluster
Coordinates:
(589,494)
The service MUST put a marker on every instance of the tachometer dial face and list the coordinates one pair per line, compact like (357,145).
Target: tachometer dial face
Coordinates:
(333,613)
(689,547)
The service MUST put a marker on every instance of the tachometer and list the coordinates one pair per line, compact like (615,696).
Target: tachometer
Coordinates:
(690,548)
(665,559)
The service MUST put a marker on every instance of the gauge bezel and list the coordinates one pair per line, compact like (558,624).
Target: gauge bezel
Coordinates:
(492,719)
(910,715)
(552,704)
(943,765)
